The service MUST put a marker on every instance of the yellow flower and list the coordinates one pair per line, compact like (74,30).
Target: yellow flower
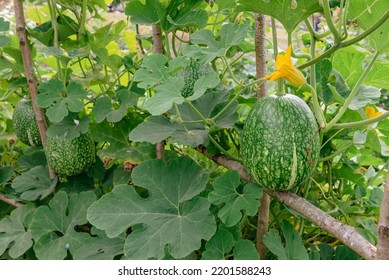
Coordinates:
(286,70)
(371,112)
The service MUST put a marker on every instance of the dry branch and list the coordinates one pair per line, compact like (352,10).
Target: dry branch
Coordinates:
(10,201)
(346,234)
(383,225)
(261,68)
(260,52)
(29,71)
(158,49)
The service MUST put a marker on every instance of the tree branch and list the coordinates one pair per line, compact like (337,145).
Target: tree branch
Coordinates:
(261,68)
(260,52)
(158,49)
(28,69)
(383,225)
(349,236)
(346,234)
(10,201)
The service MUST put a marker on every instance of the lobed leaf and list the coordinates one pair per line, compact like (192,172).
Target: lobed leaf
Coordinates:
(172,217)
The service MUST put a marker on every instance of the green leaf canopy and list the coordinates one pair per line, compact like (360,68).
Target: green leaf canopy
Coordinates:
(172,219)
(53,225)
(289,12)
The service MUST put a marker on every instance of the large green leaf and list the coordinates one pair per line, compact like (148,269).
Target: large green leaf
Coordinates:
(4,25)
(225,193)
(157,128)
(367,13)
(13,232)
(116,134)
(378,76)
(245,250)
(57,103)
(154,129)
(348,62)
(165,95)
(209,105)
(106,34)
(289,12)
(292,250)
(220,244)
(103,108)
(100,247)
(34,183)
(153,70)
(173,216)
(53,225)
(364,96)
(169,14)
(69,128)
(231,34)
(6,173)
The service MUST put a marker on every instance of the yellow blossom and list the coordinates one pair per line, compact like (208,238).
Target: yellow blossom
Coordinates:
(371,112)
(285,69)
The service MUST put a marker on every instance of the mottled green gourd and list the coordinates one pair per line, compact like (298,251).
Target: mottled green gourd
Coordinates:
(191,73)
(70,157)
(280,142)
(24,123)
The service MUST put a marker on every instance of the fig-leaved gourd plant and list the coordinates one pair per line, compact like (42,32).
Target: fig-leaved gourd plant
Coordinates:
(158,147)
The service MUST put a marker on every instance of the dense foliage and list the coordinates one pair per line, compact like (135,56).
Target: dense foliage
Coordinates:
(102,79)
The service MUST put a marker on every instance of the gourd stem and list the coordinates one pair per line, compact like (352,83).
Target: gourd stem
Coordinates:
(232,101)
(279,82)
(330,23)
(217,145)
(197,112)
(317,109)
(337,152)
(361,123)
(347,43)
(353,92)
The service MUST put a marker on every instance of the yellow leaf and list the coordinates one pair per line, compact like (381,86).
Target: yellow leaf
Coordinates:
(130,38)
(39,15)
(113,48)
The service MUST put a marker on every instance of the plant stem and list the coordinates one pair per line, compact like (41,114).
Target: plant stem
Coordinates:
(347,43)
(361,123)
(383,223)
(10,201)
(167,45)
(337,152)
(297,55)
(158,49)
(353,92)
(274,37)
(261,69)
(312,68)
(52,7)
(317,109)
(330,23)
(230,103)
(83,18)
(206,122)
(279,82)
(217,145)
(229,70)
(260,52)
(28,68)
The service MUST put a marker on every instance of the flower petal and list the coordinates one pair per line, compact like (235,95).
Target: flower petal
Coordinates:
(284,58)
(292,74)
(286,70)
(371,112)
